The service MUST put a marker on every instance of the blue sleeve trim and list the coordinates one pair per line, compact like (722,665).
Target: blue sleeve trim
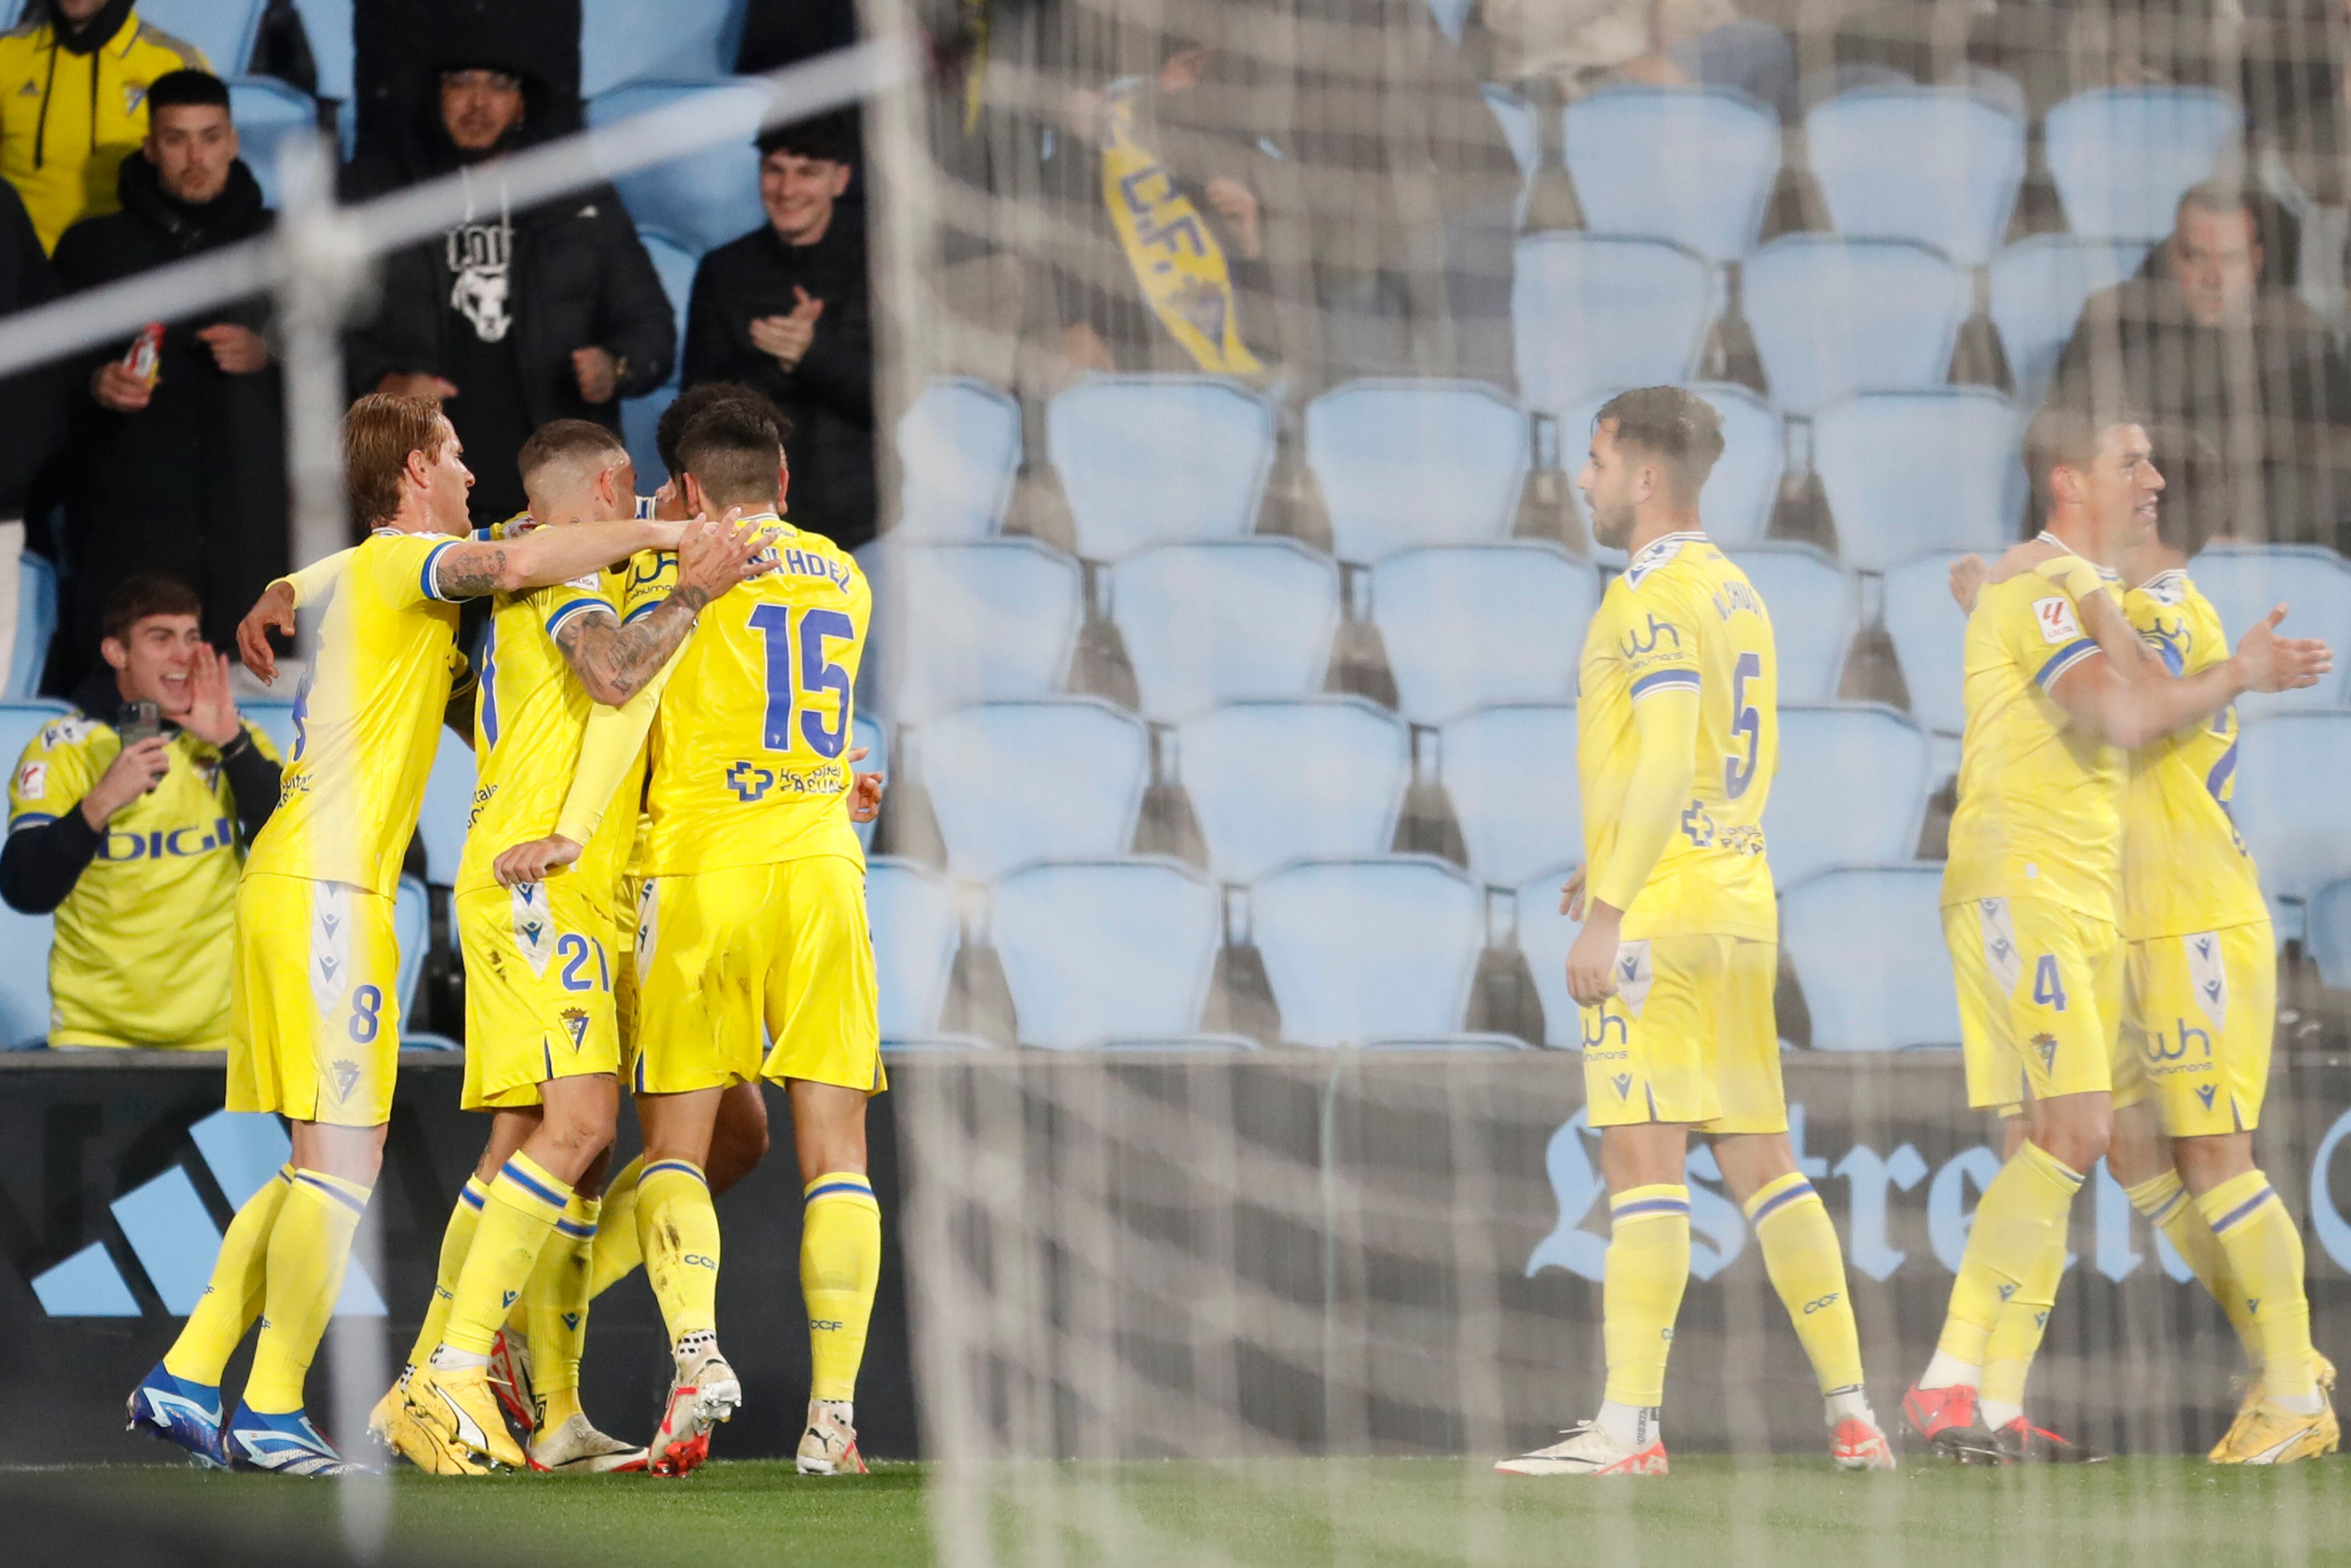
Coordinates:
(424,578)
(31,819)
(642,611)
(2065,659)
(566,611)
(1662,680)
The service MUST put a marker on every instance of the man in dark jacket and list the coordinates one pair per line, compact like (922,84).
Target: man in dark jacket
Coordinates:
(514,319)
(2210,343)
(179,469)
(783,310)
(29,403)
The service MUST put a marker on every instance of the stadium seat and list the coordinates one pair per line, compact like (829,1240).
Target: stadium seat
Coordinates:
(1150,460)
(1851,790)
(223,29)
(1450,16)
(1938,167)
(1544,936)
(704,199)
(980,623)
(1509,771)
(1737,503)
(916,932)
(2122,156)
(1012,782)
(1866,944)
(277,721)
(327,28)
(1483,623)
(1098,951)
(1692,165)
(1832,317)
(2038,287)
(958,453)
(1929,634)
(640,418)
(1591,312)
(37,626)
(1211,623)
(1403,462)
(2245,582)
(267,113)
(867,732)
(1524,135)
(1272,783)
(1360,950)
(25,938)
(1811,608)
(411,922)
(448,804)
(2289,801)
(674,261)
(2328,938)
(624,41)
(1906,472)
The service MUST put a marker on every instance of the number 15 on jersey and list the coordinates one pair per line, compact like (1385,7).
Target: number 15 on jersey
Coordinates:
(801,667)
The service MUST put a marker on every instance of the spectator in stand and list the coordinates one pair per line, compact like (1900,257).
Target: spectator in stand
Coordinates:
(2212,345)
(514,319)
(1586,44)
(74,79)
(28,404)
(184,471)
(136,841)
(783,310)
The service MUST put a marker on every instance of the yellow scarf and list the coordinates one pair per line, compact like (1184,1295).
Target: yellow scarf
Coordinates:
(1175,258)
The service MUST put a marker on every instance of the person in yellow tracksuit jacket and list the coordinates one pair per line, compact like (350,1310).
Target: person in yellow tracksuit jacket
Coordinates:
(73,104)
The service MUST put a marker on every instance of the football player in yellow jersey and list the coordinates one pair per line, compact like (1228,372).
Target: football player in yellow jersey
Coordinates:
(2058,688)
(1677,719)
(314,1014)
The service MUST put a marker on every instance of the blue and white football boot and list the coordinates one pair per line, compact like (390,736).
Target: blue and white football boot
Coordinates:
(187,1414)
(284,1445)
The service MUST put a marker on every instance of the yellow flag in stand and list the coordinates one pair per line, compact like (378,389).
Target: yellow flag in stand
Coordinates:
(1175,258)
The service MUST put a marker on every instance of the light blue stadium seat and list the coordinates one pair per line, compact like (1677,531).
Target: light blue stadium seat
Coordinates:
(1832,318)
(1867,946)
(37,625)
(277,722)
(1272,782)
(1936,165)
(1544,936)
(412,924)
(223,29)
(1483,623)
(327,26)
(1369,949)
(1906,472)
(1810,603)
(448,802)
(1737,502)
(1509,771)
(1929,632)
(1403,462)
(958,453)
(1210,624)
(2328,939)
(24,938)
(1592,312)
(1450,16)
(867,731)
(980,623)
(1525,136)
(268,112)
(916,932)
(1106,950)
(2245,582)
(1692,165)
(2289,801)
(704,199)
(1852,789)
(674,260)
(1149,460)
(673,264)
(2122,156)
(624,41)
(1019,782)
(2038,288)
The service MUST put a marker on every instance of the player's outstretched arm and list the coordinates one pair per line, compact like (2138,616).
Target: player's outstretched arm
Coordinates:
(2128,706)
(1667,720)
(615,662)
(470,568)
(274,611)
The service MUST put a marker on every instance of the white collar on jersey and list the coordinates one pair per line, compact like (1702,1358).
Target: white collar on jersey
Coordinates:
(1657,552)
(2045,537)
(2166,585)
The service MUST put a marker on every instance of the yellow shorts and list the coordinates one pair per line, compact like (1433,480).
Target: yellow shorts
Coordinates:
(2200,1013)
(1688,1037)
(314,1003)
(723,956)
(2040,1000)
(540,971)
(627,991)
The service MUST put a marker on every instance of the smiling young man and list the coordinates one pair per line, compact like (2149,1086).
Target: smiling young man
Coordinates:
(136,847)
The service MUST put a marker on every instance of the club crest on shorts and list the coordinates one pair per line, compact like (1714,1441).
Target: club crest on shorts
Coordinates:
(1998,929)
(345,1076)
(575,1024)
(2046,1046)
(330,944)
(1635,974)
(533,926)
(2207,976)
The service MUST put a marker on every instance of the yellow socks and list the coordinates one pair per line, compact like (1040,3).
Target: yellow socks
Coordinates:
(2170,1209)
(1648,1267)
(520,1213)
(678,1230)
(616,1253)
(556,1302)
(309,1243)
(840,1263)
(2019,1223)
(455,1239)
(232,1299)
(1807,1267)
(2264,1253)
(2015,1336)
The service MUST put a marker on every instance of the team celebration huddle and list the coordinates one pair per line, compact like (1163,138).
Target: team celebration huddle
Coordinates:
(694,653)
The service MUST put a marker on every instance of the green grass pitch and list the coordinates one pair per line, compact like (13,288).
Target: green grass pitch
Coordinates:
(1387,1513)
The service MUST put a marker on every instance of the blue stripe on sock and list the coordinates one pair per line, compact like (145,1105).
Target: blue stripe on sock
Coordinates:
(863,1188)
(469,1198)
(659,1166)
(1651,1206)
(1780,1200)
(574,1229)
(356,1205)
(523,1179)
(2243,1212)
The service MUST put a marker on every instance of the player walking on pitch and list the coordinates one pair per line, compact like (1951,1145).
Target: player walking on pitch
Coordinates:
(1679,732)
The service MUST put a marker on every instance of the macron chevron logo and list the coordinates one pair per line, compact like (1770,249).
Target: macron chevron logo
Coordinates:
(167,1233)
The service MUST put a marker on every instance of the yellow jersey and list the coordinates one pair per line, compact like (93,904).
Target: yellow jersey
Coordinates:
(1683,617)
(2185,867)
(367,718)
(68,120)
(144,935)
(2040,813)
(751,741)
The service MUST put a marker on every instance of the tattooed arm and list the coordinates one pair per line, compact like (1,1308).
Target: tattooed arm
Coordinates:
(469,569)
(613,661)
